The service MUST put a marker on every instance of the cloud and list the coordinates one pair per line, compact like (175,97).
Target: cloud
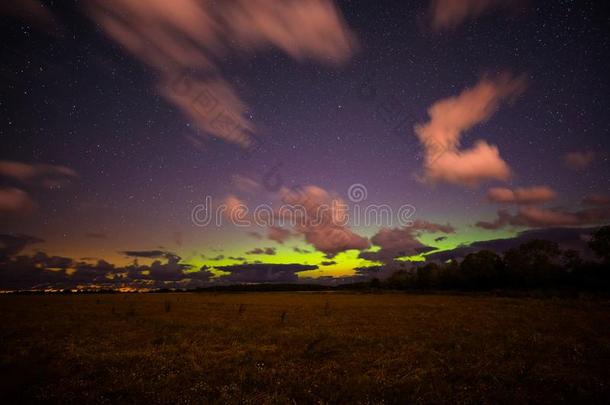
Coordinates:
(212,104)
(426,226)
(524,195)
(173,270)
(12,244)
(24,273)
(41,174)
(53,262)
(301,28)
(16,202)
(596,200)
(245,184)
(579,160)
(148,254)
(263,273)
(366,273)
(237,210)
(449,118)
(40,271)
(447,14)
(394,243)
(542,217)
(504,217)
(184,40)
(321,218)
(538,217)
(280,235)
(262,251)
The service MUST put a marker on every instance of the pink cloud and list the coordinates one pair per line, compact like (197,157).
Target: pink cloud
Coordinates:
(579,160)
(523,195)
(24,171)
(184,40)
(45,175)
(448,14)
(596,200)
(537,217)
(541,217)
(245,184)
(277,234)
(236,210)
(449,118)
(301,28)
(324,223)
(16,202)
(212,105)
(469,167)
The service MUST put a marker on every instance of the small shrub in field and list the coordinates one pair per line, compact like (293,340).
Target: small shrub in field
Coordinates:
(327,309)
(283,317)
(241,309)
(168,306)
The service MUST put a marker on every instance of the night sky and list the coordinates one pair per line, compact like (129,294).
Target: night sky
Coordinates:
(118,118)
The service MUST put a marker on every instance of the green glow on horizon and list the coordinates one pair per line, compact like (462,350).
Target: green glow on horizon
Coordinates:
(345,263)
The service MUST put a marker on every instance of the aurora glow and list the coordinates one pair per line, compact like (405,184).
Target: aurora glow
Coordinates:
(115,130)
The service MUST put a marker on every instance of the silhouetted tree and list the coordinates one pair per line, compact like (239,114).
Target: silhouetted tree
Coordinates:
(449,275)
(533,263)
(399,280)
(600,243)
(428,275)
(571,260)
(482,270)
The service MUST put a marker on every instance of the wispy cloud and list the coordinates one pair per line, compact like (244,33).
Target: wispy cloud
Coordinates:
(40,174)
(277,234)
(447,14)
(523,195)
(325,227)
(540,217)
(16,203)
(579,160)
(444,161)
(262,251)
(394,243)
(184,41)
(596,199)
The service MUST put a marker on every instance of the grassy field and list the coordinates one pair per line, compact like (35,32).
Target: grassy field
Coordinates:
(304,348)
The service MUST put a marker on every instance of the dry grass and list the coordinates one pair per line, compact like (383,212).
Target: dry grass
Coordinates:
(305,348)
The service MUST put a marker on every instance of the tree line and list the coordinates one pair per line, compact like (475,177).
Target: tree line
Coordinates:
(532,265)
